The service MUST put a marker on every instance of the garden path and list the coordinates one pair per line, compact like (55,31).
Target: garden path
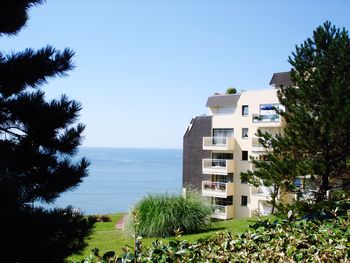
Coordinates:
(121,222)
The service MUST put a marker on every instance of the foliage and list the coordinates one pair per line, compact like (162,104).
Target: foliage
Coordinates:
(318,105)
(38,140)
(276,169)
(160,215)
(231,90)
(297,241)
(316,140)
(320,210)
(14,15)
(100,218)
(290,240)
(106,237)
(41,233)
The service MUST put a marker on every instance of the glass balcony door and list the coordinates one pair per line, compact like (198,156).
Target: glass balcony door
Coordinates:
(220,135)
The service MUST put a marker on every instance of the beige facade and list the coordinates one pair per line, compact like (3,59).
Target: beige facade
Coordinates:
(235,121)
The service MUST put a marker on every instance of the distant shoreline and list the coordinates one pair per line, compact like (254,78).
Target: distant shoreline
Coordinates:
(132,148)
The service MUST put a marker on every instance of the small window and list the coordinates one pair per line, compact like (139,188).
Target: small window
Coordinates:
(244,200)
(244,181)
(244,132)
(245,110)
(244,155)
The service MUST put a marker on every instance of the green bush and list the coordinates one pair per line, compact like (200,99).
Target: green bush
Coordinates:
(279,241)
(100,218)
(283,241)
(339,205)
(161,215)
(231,90)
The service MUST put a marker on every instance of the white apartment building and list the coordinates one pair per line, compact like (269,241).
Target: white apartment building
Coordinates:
(217,148)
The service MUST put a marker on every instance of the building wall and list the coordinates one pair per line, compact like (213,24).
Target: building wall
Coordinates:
(236,121)
(193,153)
(229,116)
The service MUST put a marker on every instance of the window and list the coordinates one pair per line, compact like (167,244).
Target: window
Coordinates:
(244,200)
(245,110)
(244,132)
(244,181)
(220,135)
(244,155)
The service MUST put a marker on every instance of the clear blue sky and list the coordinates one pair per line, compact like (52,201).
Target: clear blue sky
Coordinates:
(145,68)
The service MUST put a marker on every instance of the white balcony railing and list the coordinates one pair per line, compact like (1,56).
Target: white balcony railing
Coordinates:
(219,143)
(260,118)
(262,191)
(222,212)
(257,146)
(217,166)
(217,189)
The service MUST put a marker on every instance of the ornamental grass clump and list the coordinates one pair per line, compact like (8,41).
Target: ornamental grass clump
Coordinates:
(160,215)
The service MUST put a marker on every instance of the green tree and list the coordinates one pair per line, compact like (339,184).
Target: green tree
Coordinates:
(38,139)
(277,169)
(318,104)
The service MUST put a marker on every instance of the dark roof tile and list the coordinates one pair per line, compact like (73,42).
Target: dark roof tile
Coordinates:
(223,100)
(281,78)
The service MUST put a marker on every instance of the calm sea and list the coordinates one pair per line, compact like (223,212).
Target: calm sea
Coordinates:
(119,177)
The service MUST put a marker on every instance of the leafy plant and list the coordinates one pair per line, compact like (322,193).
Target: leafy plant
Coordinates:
(278,241)
(288,240)
(231,90)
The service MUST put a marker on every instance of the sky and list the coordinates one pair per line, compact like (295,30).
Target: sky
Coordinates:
(145,68)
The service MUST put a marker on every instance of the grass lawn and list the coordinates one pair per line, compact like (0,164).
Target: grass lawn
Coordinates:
(105,237)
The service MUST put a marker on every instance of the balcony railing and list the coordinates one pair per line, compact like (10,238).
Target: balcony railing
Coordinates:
(217,166)
(219,143)
(217,189)
(222,212)
(259,118)
(257,146)
(262,191)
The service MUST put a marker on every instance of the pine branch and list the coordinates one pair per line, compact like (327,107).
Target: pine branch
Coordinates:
(13,15)
(44,63)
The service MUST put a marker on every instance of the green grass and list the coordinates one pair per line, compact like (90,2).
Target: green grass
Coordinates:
(105,237)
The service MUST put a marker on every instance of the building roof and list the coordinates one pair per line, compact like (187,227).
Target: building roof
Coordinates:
(200,121)
(281,78)
(223,100)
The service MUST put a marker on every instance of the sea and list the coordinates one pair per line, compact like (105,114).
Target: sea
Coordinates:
(120,177)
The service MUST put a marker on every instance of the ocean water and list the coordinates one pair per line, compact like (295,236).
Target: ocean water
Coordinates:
(119,177)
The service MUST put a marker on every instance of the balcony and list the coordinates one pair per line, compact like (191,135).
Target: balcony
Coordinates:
(222,212)
(218,166)
(267,119)
(217,189)
(262,192)
(219,143)
(257,146)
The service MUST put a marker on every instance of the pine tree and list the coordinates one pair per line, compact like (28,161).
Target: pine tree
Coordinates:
(277,169)
(38,139)
(316,136)
(318,105)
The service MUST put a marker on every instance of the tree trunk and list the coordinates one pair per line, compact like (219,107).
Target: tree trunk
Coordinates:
(324,186)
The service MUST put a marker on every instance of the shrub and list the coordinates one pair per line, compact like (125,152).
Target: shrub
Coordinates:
(280,241)
(161,215)
(100,218)
(231,90)
(319,210)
